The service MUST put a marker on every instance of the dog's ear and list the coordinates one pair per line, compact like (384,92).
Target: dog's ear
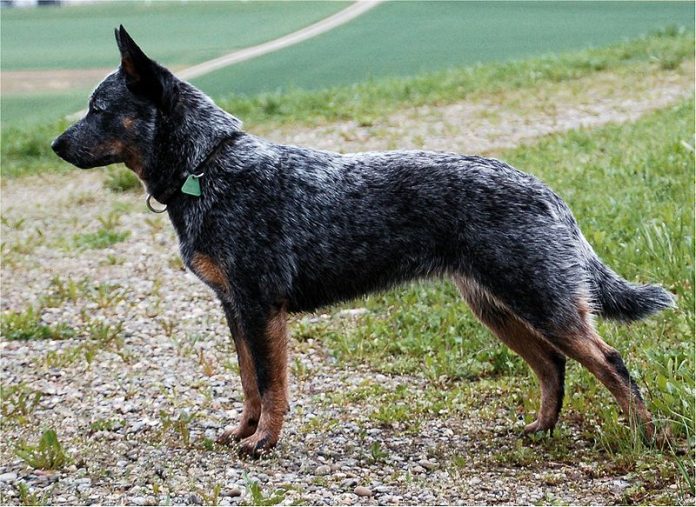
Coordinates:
(145,77)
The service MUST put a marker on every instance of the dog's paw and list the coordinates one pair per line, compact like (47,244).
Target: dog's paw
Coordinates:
(257,444)
(539,426)
(241,431)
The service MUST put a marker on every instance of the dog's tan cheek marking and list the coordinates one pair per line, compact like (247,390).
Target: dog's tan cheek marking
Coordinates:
(209,271)
(127,123)
(134,162)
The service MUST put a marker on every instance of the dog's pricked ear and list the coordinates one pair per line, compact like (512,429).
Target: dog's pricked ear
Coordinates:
(134,62)
(144,76)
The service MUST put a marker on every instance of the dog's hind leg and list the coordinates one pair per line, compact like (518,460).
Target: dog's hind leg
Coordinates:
(252,399)
(582,343)
(547,363)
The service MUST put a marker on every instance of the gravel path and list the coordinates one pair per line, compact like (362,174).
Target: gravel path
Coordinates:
(138,410)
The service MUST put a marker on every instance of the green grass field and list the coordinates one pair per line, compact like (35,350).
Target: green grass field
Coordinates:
(394,39)
(26,150)
(407,38)
(174,33)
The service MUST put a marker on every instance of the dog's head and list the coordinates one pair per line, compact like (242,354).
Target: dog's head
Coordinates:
(120,123)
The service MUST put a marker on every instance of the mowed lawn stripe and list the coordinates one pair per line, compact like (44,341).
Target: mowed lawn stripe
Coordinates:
(406,38)
(175,33)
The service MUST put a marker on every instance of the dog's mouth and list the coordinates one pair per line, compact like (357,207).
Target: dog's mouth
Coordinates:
(79,157)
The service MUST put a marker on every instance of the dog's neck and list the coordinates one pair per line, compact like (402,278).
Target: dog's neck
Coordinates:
(186,142)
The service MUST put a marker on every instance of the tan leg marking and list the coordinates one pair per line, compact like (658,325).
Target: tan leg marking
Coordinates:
(274,400)
(547,363)
(252,400)
(605,363)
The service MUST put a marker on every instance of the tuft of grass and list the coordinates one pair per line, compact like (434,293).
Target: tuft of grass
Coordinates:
(28,497)
(121,179)
(27,325)
(62,291)
(105,236)
(177,426)
(106,425)
(18,402)
(47,455)
(256,496)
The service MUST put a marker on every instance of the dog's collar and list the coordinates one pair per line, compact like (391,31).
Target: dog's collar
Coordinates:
(188,185)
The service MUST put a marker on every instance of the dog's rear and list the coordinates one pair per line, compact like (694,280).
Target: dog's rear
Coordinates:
(276,229)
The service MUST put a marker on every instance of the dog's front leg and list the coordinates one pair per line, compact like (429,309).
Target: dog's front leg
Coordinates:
(262,353)
(247,371)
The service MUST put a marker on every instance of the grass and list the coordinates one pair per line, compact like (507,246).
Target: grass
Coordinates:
(27,325)
(27,150)
(77,37)
(434,36)
(18,402)
(376,97)
(47,455)
(105,236)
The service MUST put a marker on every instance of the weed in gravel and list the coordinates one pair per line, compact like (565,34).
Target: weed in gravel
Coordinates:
(18,402)
(207,364)
(21,246)
(28,497)
(105,334)
(68,356)
(27,325)
(300,371)
(113,260)
(61,291)
(106,425)
(178,426)
(108,295)
(256,496)
(16,224)
(47,455)
(105,236)
(176,263)
(319,424)
(377,453)
(212,495)
(168,326)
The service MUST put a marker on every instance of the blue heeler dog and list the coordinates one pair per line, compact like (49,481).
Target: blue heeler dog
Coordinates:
(276,229)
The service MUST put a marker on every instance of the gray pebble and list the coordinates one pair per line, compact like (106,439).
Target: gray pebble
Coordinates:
(362,491)
(8,477)
(323,470)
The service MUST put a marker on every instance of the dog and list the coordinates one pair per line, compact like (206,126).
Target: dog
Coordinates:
(275,229)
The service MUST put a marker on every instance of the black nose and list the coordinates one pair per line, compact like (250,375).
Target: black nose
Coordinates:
(59,144)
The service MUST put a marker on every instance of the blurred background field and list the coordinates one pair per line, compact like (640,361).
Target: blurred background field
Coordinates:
(53,56)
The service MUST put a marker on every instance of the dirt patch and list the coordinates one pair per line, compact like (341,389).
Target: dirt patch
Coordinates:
(490,122)
(38,81)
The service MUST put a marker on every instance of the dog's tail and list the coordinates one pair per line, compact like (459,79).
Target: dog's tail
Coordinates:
(617,299)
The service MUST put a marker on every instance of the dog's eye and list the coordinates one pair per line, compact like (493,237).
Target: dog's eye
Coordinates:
(95,108)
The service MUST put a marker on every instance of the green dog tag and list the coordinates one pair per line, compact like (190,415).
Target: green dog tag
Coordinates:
(192,186)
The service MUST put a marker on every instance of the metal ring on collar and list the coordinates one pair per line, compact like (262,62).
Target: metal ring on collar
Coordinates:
(149,205)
